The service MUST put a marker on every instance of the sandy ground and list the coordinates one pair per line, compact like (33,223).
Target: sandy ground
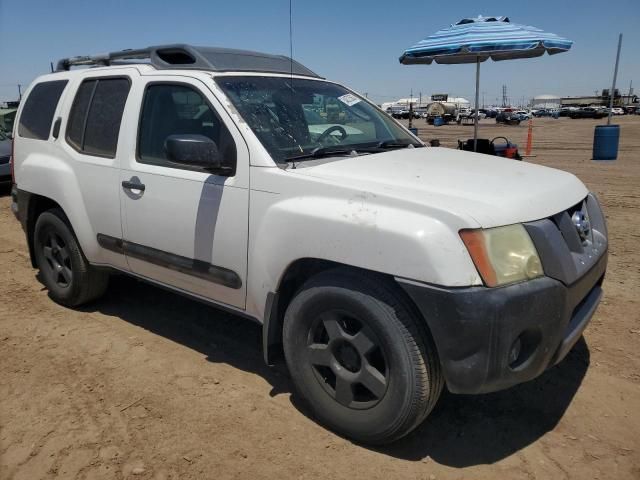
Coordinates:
(146,384)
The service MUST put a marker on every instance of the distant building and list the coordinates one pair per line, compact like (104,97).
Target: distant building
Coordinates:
(599,100)
(545,101)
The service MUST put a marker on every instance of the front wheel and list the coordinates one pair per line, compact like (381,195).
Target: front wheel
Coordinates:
(64,270)
(361,356)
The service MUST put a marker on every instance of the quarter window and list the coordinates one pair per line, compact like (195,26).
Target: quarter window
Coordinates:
(37,114)
(96,115)
(172,109)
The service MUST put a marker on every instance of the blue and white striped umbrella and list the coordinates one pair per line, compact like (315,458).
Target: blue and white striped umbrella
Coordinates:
(477,39)
(474,40)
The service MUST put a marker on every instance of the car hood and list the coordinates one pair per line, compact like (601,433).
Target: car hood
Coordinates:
(493,191)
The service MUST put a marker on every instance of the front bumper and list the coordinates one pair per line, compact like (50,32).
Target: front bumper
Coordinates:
(475,328)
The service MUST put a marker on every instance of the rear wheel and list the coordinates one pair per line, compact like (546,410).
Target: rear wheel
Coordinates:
(360,356)
(70,279)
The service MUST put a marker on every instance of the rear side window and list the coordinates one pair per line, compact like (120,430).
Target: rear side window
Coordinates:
(75,125)
(96,114)
(37,114)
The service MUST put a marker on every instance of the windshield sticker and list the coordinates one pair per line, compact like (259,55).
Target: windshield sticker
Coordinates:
(349,99)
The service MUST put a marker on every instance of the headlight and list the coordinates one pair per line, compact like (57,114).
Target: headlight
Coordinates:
(503,255)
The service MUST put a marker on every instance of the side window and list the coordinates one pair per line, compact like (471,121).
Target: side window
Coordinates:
(37,114)
(172,109)
(96,114)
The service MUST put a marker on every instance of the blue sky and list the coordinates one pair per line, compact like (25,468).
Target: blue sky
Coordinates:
(356,42)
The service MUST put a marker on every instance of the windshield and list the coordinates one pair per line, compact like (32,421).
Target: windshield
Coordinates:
(295,118)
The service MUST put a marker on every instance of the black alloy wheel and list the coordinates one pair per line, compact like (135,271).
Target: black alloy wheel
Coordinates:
(58,259)
(347,359)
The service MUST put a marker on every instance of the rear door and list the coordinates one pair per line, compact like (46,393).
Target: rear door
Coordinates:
(91,140)
(184,226)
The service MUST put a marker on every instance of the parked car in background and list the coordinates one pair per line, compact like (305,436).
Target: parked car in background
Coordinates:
(403,113)
(489,113)
(481,115)
(5,157)
(588,112)
(508,117)
(617,111)
(465,113)
(524,115)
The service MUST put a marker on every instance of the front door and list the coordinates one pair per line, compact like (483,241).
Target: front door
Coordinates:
(183,226)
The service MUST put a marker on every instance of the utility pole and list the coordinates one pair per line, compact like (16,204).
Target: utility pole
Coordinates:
(19,92)
(615,75)
(504,95)
(420,100)
(366,94)
(630,92)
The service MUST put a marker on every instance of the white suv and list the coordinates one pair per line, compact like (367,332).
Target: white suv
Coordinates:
(382,269)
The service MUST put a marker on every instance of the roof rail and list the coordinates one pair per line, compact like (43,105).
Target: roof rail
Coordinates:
(182,56)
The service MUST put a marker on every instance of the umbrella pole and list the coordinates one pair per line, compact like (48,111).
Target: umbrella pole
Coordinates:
(475,120)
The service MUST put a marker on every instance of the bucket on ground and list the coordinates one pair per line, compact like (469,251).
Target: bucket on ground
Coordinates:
(438,122)
(605,142)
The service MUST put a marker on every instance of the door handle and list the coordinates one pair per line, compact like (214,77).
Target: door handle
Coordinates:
(133,185)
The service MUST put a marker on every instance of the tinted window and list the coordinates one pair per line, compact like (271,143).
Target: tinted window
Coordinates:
(75,126)
(173,110)
(37,114)
(94,122)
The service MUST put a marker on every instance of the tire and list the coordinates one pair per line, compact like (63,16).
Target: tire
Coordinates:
(360,356)
(64,270)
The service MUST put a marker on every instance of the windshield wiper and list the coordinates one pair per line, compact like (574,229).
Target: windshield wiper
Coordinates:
(320,152)
(396,144)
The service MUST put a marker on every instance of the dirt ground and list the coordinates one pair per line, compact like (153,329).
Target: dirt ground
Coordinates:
(146,384)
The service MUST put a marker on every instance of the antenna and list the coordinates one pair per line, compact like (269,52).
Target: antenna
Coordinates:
(291,38)
(293,140)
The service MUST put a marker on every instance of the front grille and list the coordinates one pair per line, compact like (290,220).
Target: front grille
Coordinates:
(565,223)
(568,251)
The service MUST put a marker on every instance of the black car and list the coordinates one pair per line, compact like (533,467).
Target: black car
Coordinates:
(489,113)
(509,118)
(588,112)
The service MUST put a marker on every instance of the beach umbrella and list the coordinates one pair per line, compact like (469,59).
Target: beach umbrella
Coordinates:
(474,40)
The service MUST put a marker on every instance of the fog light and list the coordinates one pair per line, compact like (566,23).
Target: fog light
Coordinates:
(514,353)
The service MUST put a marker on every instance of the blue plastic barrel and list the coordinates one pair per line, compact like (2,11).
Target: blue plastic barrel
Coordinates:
(605,142)
(438,122)
(414,131)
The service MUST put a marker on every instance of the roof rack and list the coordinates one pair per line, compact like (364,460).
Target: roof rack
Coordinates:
(182,56)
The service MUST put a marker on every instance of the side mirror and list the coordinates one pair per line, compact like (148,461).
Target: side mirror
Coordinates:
(193,150)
